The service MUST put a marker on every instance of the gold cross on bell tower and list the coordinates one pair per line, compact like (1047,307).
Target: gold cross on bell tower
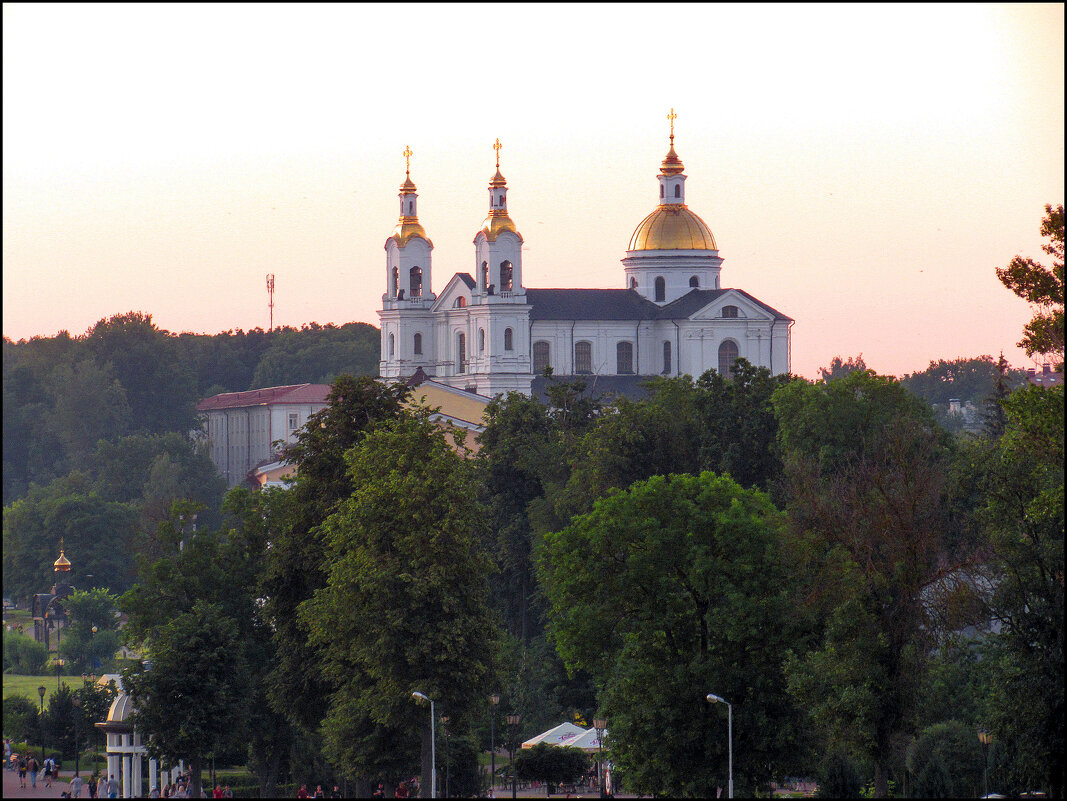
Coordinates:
(496,147)
(407,159)
(672,117)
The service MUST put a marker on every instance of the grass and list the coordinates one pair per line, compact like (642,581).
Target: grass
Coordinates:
(27,686)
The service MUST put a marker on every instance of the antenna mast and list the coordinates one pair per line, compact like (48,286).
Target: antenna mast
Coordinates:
(270,298)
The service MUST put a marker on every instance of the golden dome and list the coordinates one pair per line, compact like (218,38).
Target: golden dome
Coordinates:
(407,228)
(672,227)
(62,564)
(672,165)
(497,223)
(408,185)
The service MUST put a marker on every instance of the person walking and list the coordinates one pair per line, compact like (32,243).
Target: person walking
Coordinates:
(22,772)
(112,788)
(76,786)
(33,767)
(49,767)
(101,787)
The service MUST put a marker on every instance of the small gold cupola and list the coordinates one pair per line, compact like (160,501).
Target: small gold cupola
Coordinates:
(408,225)
(62,564)
(498,220)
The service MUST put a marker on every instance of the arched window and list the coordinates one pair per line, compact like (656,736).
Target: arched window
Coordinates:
(633,283)
(541,358)
(583,357)
(416,281)
(694,282)
(481,340)
(677,190)
(666,357)
(461,353)
(459,303)
(411,207)
(505,276)
(727,356)
(729,311)
(661,190)
(418,344)
(509,339)
(396,282)
(392,345)
(485,275)
(624,358)
(661,289)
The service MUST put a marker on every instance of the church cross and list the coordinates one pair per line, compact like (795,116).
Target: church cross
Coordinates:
(672,117)
(407,159)
(496,147)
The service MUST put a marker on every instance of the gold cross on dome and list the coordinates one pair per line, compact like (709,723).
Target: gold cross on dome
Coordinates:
(496,147)
(407,159)
(672,117)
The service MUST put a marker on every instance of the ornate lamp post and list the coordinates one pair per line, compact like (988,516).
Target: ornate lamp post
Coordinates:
(444,730)
(77,701)
(729,734)
(494,699)
(513,724)
(59,669)
(984,737)
(600,724)
(41,691)
(433,745)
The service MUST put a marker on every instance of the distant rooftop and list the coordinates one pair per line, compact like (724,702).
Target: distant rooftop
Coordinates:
(294,393)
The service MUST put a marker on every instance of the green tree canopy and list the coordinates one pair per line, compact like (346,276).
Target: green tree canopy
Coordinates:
(551,764)
(88,650)
(665,592)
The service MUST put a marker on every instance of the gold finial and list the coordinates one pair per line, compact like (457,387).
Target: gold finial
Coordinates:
(407,159)
(672,117)
(496,147)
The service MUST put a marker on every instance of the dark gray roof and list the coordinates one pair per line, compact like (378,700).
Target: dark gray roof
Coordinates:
(623,304)
(596,386)
(589,304)
(468,279)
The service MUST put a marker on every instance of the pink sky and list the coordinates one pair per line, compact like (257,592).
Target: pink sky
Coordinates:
(864,169)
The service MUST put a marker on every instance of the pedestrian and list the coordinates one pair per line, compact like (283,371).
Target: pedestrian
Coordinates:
(101,787)
(112,787)
(217,792)
(335,792)
(319,792)
(22,772)
(76,786)
(302,792)
(228,793)
(92,785)
(49,766)
(7,754)
(33,767)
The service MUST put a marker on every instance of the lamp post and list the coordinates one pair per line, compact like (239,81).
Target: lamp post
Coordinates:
(494,699)
(59,669)
(984,738)
(600,724)
(513,724)
(444,730)
(77,701)
(729,734)
(40,723)
(433,745)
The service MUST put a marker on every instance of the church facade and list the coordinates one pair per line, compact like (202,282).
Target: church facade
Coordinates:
(489,333)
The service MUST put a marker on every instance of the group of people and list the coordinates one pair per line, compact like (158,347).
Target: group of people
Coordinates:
(319,792)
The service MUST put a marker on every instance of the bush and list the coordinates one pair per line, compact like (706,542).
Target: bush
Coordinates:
(839,777)
(551,764)
(947,758)
(20,718)
(23,656)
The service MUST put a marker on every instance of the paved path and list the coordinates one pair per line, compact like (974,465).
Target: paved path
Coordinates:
(60,785)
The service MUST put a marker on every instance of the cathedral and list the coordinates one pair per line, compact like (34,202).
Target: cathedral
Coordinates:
(489,333)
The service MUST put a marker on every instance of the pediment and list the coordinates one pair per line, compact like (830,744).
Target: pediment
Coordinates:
(457,287)
(747,309)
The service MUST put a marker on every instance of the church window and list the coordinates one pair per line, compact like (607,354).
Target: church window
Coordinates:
(661,289)
(485,275)
(418,344)
(729,311)
(459,303)
(505,276)
(509,339)
(661,190)
(727,356)
(411,207)
(481,340)
(633,283)
(416,282)
(396,282)
(461,353)
(392,345)
(624,358)
(541,358)
(694,282)
(583,358)
(677,190)
(666,357)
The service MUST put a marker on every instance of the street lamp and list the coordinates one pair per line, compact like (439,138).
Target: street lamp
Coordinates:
(444,730)
(40,724)
(494,699)
(984,737)
(513,723)
(600,724)
(77,701)
(433,745)
(712,698)
(59,669)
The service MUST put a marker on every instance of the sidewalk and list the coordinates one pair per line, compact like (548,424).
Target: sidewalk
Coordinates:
(60,785)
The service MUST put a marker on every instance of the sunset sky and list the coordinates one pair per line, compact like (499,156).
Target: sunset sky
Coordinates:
(864,168)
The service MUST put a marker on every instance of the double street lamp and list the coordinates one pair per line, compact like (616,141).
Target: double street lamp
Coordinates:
(984,737)
(433,745)
(714,699)
(494,699)
(600,724)
(513,724)
(40,724)
(77,701)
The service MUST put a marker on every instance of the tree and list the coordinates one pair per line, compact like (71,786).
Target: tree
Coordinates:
(1024,519)
(670,584)
(405,606)
(955,749)
(193,702)
(20,718)
(90,405)
(864,470)
(91,637)
(551,764)
(839,368)
(1042,286)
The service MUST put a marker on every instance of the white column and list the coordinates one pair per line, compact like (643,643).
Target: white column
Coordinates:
(135,783)
(153,774)
(126,789)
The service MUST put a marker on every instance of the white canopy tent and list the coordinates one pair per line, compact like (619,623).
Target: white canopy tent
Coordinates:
(562,734)
(587,741)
